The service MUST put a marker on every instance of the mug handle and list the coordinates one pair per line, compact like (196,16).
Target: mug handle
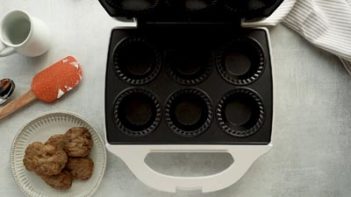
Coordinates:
(6,50)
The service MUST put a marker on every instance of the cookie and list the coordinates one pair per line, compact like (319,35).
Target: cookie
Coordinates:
(80,168)
(79,142)
(44,159)
(57,140)
(61,181)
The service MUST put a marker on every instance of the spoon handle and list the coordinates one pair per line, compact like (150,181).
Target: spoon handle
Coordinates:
(17,104)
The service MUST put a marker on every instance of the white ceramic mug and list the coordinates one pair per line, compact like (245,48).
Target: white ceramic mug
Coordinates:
(23,34)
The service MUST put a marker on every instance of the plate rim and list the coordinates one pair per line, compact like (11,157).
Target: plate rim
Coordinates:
(41,116)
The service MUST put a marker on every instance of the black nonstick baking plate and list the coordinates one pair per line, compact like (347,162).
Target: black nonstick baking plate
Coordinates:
(189,84)
(190,10)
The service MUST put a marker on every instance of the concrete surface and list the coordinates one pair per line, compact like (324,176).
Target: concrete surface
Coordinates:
(312,124)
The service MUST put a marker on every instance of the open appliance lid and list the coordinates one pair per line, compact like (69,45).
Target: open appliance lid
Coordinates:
(191,10)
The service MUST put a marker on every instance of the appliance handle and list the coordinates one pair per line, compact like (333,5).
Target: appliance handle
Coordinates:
(243,156)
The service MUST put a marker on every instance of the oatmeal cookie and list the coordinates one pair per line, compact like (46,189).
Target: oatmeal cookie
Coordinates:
(58,140)
(44,159)
(79,142)
(62,181)
(80,168)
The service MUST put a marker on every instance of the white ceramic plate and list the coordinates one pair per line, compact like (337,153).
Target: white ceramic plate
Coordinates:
(41,129)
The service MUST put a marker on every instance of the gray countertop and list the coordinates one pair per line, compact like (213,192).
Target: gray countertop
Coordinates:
(312,111)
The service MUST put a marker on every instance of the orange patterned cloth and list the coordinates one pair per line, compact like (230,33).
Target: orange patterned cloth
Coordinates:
(53,82)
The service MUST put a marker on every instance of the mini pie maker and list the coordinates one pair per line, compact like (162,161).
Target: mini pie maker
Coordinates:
(189,78)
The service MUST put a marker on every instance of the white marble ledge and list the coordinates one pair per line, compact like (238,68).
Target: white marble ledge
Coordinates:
(312,110)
